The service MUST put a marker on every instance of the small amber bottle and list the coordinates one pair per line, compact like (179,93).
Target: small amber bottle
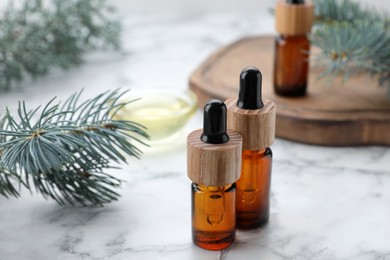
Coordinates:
(214,164)
(293,23)
(255,121)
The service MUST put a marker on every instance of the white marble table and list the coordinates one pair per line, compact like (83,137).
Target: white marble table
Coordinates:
(326,203)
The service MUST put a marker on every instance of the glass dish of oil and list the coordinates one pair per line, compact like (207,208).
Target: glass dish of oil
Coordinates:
(164,112)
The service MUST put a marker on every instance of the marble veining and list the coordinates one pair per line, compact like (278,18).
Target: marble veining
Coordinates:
(326,202)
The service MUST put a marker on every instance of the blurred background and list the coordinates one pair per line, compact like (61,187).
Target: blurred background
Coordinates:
(204,6)
(326,200)
(163,42)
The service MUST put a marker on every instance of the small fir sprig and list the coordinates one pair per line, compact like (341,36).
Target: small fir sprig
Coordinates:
(64,149)
(37,36)
(352,40)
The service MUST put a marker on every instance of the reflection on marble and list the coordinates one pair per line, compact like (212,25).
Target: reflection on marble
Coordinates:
(327,203)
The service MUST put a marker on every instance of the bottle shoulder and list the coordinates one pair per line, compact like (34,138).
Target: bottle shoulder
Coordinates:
(268,152)
(284,39)
(202,188)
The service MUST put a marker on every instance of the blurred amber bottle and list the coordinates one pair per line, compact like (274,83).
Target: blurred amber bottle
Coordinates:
(291,66)
(214,164)
(253,194)
(255,121)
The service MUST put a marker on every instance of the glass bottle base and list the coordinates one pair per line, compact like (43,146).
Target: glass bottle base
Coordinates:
(213,240)
(250,221)
(296,91)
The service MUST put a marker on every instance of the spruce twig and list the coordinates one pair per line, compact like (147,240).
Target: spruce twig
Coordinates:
(6,177)
(353,39)
(65,149)
(38,36)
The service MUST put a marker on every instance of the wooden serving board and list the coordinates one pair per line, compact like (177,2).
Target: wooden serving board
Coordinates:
(354,113)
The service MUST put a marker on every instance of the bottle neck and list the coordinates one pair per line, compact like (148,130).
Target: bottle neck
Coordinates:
(289,36)
(205,188)
(254,152)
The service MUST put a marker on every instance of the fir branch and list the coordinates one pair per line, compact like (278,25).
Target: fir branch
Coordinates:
(7,178)
(37,37)
(353,49)
(353,39)
(67,148)
(334,11)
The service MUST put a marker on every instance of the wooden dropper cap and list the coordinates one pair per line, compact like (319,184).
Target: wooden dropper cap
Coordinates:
(294,17)
(249,115)
(214,154)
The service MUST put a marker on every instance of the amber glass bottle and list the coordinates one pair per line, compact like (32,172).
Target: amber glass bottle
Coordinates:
(252,206)
(213,216)
(255,121)
(214,164)
(291,65)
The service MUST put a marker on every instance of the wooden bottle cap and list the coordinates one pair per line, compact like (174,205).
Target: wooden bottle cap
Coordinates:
(257,126)
(214,164)
(294,19)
